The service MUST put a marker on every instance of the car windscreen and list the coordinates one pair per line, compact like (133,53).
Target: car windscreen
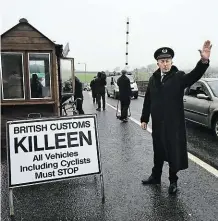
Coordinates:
(214,87)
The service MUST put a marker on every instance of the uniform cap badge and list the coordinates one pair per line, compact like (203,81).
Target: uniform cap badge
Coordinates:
(164,50)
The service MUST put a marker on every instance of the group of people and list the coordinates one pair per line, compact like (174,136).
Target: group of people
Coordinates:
(98,92)
(163,101)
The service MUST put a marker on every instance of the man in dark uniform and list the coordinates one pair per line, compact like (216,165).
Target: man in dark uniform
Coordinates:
(78,95)
(100,90)
(164,101)
(125,95)
(93,88)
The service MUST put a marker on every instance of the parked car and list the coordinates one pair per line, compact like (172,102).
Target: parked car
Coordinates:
(87,88)
(201,103)
(113,89)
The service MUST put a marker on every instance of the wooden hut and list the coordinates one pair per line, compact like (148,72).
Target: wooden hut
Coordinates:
(30,73)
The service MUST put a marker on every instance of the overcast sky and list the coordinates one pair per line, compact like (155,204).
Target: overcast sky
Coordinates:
(96,29)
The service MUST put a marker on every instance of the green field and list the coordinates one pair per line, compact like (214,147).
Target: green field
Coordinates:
(86,78)
(142,77)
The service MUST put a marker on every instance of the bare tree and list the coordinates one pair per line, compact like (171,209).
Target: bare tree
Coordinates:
(117,69)
(136,74)
(211,72)
(151,69)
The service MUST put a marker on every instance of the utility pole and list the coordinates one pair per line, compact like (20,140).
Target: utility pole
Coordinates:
(127,41)
(85,70)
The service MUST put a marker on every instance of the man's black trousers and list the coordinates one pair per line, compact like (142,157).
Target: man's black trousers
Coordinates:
(157,169)
(79,106)
(99,97)
(94,96)
(124,108)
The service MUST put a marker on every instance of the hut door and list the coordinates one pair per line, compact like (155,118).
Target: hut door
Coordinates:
(67,76)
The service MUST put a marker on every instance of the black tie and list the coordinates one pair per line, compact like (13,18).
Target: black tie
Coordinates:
(163,76)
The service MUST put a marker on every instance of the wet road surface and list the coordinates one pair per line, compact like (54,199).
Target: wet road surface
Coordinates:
(200,140)
(126,156)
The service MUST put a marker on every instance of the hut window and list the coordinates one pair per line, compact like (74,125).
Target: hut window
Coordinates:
(39,75)
(12,76)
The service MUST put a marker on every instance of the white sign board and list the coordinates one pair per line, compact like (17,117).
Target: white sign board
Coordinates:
(43,150)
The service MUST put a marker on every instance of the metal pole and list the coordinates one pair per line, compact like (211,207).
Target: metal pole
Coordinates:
(117,108)
(102,187)
(60,84)
(101,173)
(127,41)
(73,80)
(85,73)
(11,204)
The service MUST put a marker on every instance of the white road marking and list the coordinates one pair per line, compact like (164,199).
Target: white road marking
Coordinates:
(131,118)
(203,164)
(193,158)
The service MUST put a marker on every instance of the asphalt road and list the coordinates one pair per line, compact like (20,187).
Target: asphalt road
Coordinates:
(126,156)
(201,142)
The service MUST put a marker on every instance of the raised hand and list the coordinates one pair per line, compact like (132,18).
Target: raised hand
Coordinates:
(205,52)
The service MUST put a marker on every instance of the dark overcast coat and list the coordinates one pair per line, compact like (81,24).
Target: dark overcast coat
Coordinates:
(164,101)
(124,88)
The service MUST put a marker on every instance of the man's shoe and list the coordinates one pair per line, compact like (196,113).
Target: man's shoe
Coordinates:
(103,109)
(98,109)
(151,180)
(125,120)
(172,188)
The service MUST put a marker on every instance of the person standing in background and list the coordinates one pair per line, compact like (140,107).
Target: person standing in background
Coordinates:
(125,94)
(78,95)
(100,90)
(93,88)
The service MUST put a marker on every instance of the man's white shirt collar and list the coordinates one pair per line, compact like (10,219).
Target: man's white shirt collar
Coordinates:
(162,75)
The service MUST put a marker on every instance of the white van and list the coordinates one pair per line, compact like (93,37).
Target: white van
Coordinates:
(113,89)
